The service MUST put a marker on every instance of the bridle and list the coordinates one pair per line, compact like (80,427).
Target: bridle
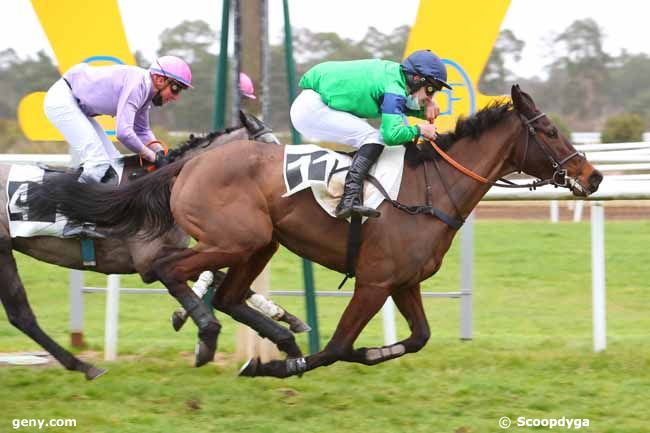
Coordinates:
(559,177)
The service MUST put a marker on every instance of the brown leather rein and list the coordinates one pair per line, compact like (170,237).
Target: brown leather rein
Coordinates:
(559,174)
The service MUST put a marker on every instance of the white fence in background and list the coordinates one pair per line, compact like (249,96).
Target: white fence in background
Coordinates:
(621,158)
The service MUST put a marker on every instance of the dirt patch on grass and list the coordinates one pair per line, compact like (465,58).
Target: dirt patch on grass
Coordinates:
(535,210)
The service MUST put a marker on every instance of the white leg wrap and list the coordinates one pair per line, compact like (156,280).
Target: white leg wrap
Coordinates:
(265,306)
(385,352)
(200,287)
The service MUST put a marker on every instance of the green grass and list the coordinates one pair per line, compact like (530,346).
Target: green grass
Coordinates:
(531,354)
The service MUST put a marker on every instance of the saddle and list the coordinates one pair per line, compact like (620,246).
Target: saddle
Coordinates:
(110,178)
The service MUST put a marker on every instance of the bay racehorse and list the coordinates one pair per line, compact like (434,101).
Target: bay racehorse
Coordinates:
(230,199)
(113,255)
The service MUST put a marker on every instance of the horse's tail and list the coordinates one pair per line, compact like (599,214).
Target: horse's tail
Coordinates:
(141,206)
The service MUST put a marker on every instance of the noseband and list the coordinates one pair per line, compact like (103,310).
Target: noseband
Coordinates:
(559,174)
(558,178)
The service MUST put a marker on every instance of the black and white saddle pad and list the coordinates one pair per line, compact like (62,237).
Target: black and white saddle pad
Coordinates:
(317,168)
(21,224)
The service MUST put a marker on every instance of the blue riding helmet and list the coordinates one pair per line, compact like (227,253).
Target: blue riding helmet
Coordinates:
(426,64)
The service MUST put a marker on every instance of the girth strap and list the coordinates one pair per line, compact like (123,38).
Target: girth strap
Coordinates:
(354,243)
(416,210)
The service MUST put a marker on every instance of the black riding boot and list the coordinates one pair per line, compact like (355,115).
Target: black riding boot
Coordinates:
(352,200)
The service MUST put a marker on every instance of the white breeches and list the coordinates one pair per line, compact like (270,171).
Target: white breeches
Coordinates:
(88,142)
(313,119)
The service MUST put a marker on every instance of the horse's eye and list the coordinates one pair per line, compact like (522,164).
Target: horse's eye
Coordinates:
(552,133)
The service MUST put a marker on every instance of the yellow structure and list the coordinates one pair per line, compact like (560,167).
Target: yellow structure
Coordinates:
(78,31)
(463,35)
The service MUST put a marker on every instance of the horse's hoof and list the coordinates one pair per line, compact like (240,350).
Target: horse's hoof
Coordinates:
(297,326)
(94,372)
(204,353)
(249,369)
(179,317)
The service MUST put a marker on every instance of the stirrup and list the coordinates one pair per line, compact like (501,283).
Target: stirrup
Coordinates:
(83,231)
(366,211)
(359,210)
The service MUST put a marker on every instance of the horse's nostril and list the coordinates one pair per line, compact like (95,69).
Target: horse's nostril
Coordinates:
(596,177)
(594,180)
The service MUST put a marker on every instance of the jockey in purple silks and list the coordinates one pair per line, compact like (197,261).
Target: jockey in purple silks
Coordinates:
(124,92)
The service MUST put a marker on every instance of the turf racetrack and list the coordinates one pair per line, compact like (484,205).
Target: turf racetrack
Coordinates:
(531,355)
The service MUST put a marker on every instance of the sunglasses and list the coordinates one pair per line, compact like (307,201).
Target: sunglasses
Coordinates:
(431,88)
(176,87)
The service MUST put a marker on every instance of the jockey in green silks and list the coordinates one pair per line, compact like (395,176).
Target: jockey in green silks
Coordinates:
(337,97)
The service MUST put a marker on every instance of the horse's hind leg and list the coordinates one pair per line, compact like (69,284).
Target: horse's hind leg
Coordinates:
(365,303)
(20,314)
(231,296)
(409,303)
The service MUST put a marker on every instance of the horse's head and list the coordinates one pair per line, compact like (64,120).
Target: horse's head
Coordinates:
(251,128)
(257,130)
(547,154)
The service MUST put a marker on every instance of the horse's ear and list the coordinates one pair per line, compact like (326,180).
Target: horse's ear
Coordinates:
(515,94)
(521,101)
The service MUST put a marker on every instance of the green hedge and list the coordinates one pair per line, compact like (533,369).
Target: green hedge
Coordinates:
(623,128)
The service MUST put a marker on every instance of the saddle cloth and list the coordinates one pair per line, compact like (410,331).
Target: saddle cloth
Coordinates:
(20,222)
(324,171)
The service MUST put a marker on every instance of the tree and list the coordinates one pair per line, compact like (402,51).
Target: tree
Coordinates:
(582,71)
(385,46)
(496,78)
(20,77)
(191,41)
(630,84)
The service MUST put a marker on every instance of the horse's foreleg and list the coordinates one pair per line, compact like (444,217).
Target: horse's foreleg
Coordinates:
(276,312)
(409,303)
(20,314)
(206,280)
(230,298)
(173,267)
(365,303)
(259,302)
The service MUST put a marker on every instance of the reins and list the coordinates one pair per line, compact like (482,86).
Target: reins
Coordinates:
(558,178)
(559,174)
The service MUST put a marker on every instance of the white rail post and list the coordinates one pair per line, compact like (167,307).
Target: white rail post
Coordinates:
(598,274)
(577,211)
(111,319)
(388,315)
(466,277)
(76,308)
(555,211)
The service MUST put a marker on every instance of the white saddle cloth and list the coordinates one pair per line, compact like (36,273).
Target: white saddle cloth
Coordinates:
(311,166)
(20,223)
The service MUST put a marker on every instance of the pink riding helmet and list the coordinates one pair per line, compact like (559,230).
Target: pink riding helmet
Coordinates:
(174,68)
(246,86)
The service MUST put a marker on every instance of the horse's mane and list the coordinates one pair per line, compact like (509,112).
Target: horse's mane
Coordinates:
(198,140)
(192,142)
(472,126)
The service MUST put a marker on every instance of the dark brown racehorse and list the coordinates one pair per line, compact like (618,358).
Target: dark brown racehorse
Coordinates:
(230,200)
(114,255)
